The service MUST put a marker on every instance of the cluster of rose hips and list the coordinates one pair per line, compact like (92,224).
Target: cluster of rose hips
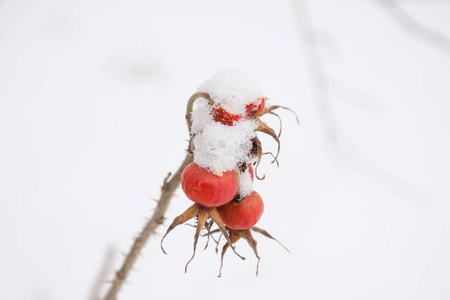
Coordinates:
(216,193)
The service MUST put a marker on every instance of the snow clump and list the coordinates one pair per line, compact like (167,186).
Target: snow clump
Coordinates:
(223,148)
(245,184)
(218,147)
(232,90)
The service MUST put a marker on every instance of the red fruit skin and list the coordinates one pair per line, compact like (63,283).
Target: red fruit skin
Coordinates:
(206,188)
(243,214)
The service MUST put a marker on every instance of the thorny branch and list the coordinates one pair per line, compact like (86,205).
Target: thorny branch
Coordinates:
(170,185)
(167,191)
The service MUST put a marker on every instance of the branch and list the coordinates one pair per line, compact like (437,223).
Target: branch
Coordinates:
(316,68)
(427,34)
(321,85)
(103,274)
(167,190)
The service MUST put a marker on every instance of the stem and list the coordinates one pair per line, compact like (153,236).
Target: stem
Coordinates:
(103,274)
(168,189)
(190,106)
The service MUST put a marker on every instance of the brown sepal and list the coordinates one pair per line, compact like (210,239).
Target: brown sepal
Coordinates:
(214,214)
(266,234)
(257,151)
(202,217)
(267,130)
(190,213)
(234,236)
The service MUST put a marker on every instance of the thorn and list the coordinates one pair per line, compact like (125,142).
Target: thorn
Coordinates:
(160,221)
(120,275)
(165,186)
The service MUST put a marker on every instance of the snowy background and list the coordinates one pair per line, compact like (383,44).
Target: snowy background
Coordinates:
(92,103)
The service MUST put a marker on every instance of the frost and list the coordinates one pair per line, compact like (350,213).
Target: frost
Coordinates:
(232,90)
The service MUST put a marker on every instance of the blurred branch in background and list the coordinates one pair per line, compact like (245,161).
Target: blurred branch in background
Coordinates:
(354,96)
(103,274)
(316,69)
(388,180)
(413,27)
(346,147)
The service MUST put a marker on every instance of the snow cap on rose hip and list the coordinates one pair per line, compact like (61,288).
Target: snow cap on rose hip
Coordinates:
(232,90)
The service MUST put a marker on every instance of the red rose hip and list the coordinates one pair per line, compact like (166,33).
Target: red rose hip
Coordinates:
(244,214)
(210,189)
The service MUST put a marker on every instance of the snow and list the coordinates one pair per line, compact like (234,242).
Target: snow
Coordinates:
(219,147)
(224,148)
(245,184)
(201,116)
(232,90)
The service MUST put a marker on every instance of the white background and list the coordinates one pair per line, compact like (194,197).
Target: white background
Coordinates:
(92,102)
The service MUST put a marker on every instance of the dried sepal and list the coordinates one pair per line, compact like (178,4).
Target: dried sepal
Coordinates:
(190,213)
(202,213)
(202,217)
(271,154)
(257,151)
(208,226)
(214,214)
(267,130)
(266,234)
(272,108)
(218,239)
(264,128)
(248,236)
(281,123)
(234,236)
(210,233)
